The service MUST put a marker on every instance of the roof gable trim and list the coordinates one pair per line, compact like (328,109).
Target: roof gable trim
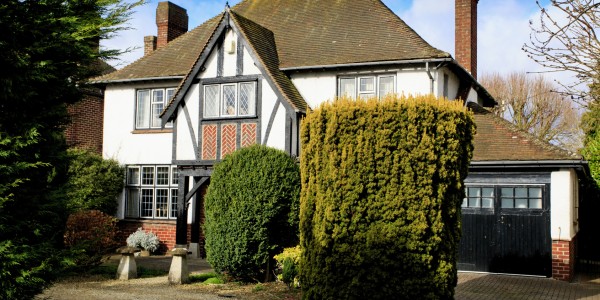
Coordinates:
(188,80)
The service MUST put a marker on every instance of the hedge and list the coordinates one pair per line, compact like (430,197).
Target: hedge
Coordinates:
(252,212)
(382,186)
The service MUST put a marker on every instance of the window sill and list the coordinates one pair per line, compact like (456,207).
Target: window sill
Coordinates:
(229,118)
(149,220)
(152,131)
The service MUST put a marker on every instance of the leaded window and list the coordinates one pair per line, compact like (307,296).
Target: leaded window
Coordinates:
(151,192)
(226,100)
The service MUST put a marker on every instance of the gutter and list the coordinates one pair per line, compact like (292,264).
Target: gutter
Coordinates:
(531,163)
(366,64)
(137,79)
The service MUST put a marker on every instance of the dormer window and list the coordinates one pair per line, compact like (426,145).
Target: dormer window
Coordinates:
(366,86)
(149,105)
(237,99)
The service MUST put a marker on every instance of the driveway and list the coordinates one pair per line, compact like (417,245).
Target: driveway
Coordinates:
(470,286)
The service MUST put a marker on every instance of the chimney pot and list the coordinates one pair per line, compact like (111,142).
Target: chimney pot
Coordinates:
(465,39)
(172,21)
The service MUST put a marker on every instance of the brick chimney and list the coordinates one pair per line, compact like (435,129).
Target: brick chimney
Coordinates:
(171,20)
(465,36)
(149,44)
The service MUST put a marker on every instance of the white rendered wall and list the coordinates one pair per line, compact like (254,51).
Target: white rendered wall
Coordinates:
(277,135)
(210,65)
(563,199)
(185,137)
(316,87)
(453,83)
(248,64)
(230,59)
(119,140)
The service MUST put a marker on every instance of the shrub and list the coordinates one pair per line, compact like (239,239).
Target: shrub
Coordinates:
(146,240)
(91,235)
(288,266)
(94,183)
(382,185)
(251,211)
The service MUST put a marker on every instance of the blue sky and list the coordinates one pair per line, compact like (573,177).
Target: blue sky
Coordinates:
(503,28)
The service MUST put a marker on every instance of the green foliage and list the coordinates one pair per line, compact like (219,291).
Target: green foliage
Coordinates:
(382,186)
(251,210)
(288,266)
(48,48)
(203,277)
(590,123)
(142,239)
(93,183)
(91,235)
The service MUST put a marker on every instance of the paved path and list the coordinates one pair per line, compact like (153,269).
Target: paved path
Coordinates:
(470,286)
(492,286)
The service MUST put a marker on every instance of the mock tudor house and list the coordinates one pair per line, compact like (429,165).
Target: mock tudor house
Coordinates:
(250,74)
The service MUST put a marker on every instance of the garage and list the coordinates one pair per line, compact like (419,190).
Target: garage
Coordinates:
(506,224)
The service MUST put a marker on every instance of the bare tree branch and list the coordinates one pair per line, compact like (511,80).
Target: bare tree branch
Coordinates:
(532,105)
(565,39)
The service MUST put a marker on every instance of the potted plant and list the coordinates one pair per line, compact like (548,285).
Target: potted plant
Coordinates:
(143,239)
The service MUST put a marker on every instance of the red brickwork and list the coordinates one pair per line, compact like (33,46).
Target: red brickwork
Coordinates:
(85,130)
(248,134)
(149,44)
(465,35)
(209,142)
(563,260)
(164,229)
(172,21)
(228,139)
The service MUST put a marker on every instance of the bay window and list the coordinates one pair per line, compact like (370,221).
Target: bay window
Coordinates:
(151,192)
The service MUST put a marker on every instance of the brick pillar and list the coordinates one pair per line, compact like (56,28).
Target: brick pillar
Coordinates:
(149,44)
(172,21)
(465,36)
(563,259)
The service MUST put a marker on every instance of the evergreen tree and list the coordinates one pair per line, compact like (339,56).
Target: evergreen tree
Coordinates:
(48,48)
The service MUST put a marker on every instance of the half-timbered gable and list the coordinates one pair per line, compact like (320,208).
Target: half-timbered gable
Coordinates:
(234,96)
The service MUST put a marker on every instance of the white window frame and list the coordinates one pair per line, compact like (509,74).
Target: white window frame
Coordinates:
(152,119)
(151,190)
(358,93)
(233,112)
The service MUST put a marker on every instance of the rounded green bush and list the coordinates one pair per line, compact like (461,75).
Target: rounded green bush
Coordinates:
(93,183)
(382,185)
(251,209)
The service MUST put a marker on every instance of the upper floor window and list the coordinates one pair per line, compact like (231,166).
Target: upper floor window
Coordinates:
(149,106)
(366,86)
(235,99)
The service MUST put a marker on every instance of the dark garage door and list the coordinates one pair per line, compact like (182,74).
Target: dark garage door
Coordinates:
(506,229)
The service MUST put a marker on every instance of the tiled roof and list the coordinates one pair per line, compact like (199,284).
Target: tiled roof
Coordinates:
(262,42)
(175,59)
(306,33)
(498,140)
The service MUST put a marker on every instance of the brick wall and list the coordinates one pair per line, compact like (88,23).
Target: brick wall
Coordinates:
(85,130)
(164,229)
(563,259)
(172,21)
(465,35)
